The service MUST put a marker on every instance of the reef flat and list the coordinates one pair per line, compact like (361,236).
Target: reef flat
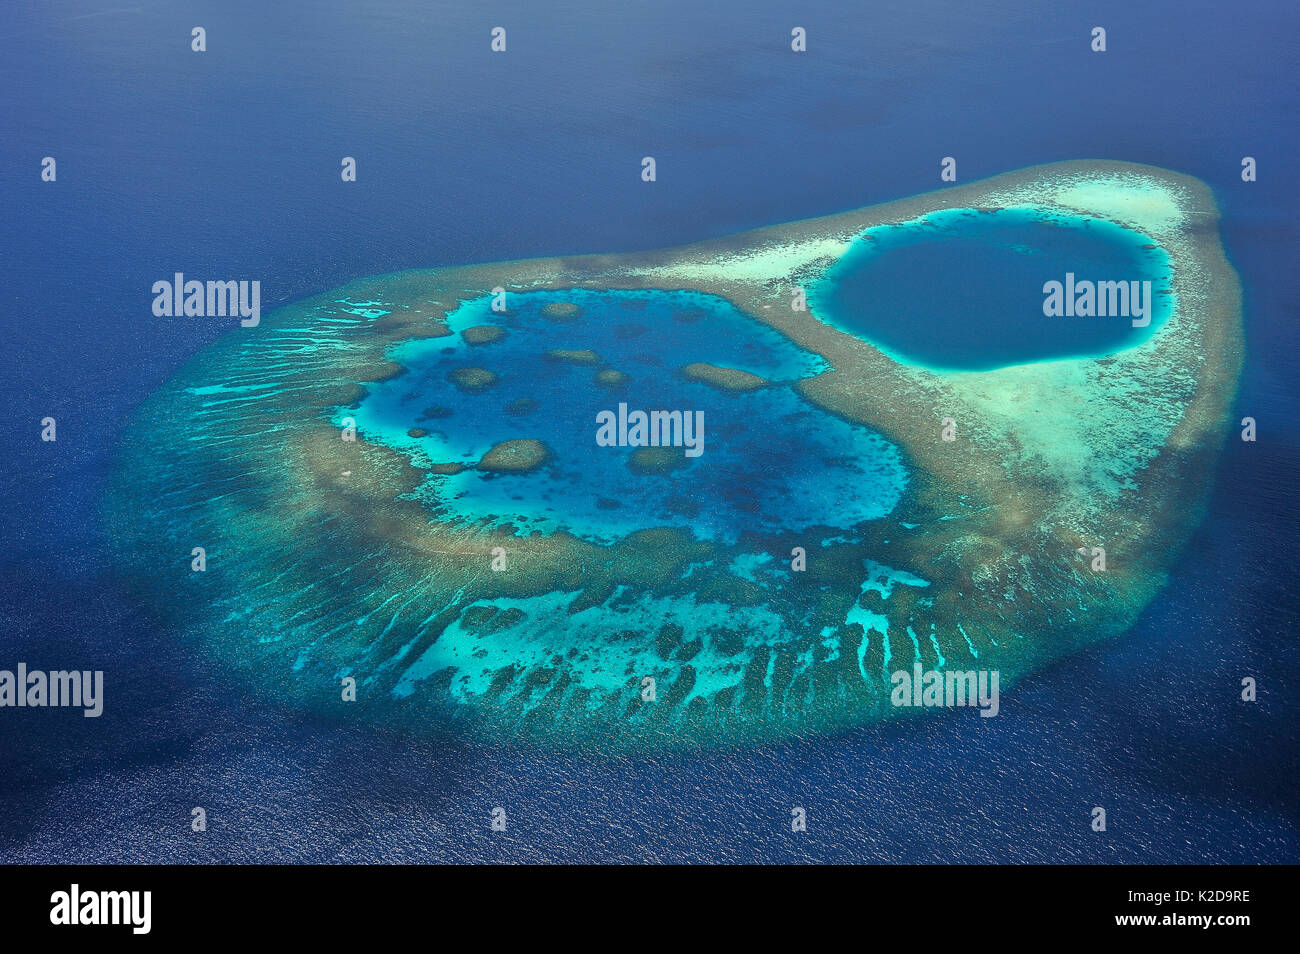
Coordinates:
(532,597)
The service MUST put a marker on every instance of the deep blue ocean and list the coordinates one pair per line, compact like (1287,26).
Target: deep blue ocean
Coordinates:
(227,163)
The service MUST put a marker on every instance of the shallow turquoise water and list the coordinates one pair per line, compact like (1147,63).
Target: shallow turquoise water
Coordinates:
(962,289)
(770,462)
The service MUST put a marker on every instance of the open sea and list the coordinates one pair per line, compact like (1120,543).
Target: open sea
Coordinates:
(227,163)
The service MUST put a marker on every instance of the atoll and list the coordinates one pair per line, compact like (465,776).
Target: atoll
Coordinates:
(853,512)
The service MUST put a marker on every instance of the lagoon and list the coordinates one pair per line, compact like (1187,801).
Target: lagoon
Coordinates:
(962,289)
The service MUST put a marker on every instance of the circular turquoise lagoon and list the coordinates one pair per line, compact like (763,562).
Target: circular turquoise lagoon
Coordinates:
(964,289)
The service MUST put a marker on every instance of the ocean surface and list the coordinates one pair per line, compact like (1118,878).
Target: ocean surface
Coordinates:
(226,163)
